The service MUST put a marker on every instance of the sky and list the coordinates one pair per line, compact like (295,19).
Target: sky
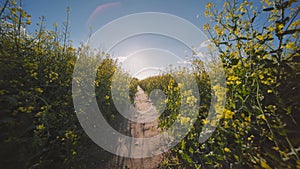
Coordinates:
(88,17)
(83,15)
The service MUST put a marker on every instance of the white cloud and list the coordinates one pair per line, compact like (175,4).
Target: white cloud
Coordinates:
(184,62)
(121,58)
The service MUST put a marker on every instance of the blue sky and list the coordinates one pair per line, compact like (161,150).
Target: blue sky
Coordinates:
(54,11)
(84,15)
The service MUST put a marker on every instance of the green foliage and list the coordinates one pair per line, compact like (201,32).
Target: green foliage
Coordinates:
(259,48)
(186,154)
(260,128)
(38,124)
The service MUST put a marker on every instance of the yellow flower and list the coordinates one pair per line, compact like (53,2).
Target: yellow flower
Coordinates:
(180,85)
(206,13)
(262,116)
(208,5)
(269,91)
(226,4)
(218,30)
(280,26)
(290,45)
(184,120)
(226,149)
(261,76)
(250,138)
(74,152)
(228,114)
(233,78)
(38,114)
(39,90)
(40,127)
(204,121)
(298,163)
(264,164)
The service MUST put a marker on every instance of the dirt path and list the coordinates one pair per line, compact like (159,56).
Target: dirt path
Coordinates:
(143,111)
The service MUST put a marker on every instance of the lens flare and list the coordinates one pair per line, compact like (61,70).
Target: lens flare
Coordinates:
(101,8)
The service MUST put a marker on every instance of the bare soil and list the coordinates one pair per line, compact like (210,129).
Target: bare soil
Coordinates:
(143,108)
